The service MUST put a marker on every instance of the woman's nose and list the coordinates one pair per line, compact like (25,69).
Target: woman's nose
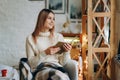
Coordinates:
(52,21)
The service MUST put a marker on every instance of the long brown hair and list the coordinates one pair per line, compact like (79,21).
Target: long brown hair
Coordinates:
(40,23)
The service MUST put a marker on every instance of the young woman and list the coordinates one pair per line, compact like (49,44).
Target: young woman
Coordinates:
(41,44)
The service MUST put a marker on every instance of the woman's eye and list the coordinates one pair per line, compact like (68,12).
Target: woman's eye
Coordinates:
(51,18)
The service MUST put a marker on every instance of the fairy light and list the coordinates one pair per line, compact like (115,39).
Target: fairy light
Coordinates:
(73,41)
(84,38)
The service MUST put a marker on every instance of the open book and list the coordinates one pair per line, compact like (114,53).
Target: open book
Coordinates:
(60,44)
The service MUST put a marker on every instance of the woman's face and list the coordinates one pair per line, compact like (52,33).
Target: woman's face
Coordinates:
(50,22)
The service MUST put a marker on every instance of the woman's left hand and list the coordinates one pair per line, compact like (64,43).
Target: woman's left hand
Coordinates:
(67,47)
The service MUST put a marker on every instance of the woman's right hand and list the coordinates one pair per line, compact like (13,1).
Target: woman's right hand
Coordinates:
(52,50)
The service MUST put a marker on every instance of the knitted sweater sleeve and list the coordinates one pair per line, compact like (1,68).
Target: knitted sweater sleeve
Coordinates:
(31,52)
(65,56)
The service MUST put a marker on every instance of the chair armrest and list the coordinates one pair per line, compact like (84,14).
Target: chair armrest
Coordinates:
(72,68)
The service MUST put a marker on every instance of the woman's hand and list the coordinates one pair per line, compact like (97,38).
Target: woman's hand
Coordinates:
(67,47)
(52,50)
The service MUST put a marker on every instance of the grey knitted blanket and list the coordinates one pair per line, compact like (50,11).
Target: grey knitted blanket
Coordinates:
(45,71)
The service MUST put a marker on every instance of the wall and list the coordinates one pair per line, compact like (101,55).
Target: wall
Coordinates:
(17,20)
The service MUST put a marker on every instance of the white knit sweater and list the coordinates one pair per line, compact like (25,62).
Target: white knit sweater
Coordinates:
(36,54)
